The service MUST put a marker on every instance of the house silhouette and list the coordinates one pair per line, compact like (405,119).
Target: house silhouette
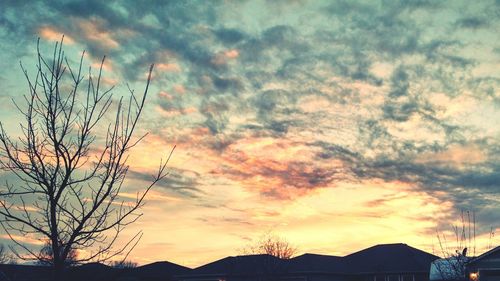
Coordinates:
(386,262)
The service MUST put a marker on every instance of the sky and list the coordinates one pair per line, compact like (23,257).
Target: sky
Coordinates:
(336,125)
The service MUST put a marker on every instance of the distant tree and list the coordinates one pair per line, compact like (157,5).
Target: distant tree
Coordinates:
(272,245)
(5,257)
(46,256)
(70,165)
(124,264)
(456,250)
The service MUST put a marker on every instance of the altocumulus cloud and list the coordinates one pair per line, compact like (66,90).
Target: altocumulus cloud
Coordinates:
(353,90)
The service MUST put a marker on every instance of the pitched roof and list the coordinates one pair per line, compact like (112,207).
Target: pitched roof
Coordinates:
(92,271)
(383,258)
(160,269)
(377,259)
(316,263)
(389,258)
(242,265)
(485,254)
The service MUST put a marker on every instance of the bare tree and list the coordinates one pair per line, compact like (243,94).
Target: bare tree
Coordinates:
(70,164)
(5,257)
(456,251)
(123,264)
(272,245)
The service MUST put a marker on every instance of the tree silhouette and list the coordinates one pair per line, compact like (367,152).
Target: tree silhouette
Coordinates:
(5,257)
(123,264)
(70,164)
(46,256)
(456,254)
(272,245)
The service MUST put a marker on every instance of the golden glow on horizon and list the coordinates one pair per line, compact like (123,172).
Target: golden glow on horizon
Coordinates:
(317,222)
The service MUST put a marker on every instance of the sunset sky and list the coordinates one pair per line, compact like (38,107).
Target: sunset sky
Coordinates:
(336,125)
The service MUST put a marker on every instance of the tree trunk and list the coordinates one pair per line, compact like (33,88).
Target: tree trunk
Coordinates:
(58,271)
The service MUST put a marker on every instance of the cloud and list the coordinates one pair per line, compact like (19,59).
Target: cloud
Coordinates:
(471,22)
(227,84)
(332,92)
(230,35)
(51,34)
(24,239)
(468,185)
(168,67)
(183,183)
(93,31)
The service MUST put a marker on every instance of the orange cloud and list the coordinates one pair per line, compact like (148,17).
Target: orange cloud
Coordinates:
(168,67)
(285,173)
(109,81)
(51,34)
(93,30)
(223,58)
(231,54)
(179,89)
(457,155)
(188,110)
(107,66)
(165,95)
